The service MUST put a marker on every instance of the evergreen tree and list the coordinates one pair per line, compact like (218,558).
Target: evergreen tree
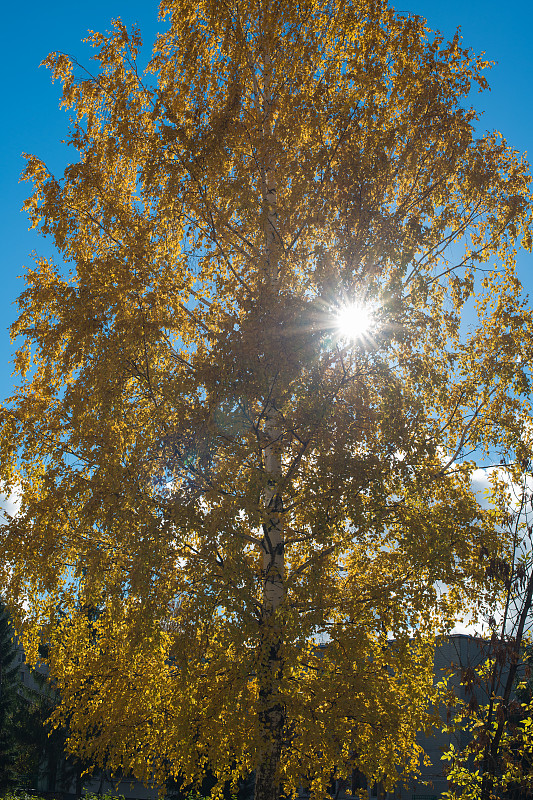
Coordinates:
(42,748)
(8,700)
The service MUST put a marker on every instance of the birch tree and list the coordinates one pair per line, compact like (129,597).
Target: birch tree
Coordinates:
(207,458)
(495,719)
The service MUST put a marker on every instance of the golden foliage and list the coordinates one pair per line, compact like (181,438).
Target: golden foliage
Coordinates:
(210,477)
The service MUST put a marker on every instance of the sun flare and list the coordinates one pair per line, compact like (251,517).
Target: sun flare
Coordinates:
(354,321)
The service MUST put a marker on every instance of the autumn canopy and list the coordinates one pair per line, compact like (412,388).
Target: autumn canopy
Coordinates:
(212,477)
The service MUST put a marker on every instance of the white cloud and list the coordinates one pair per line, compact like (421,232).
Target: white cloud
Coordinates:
(10,503)
(466,627)
(480,480)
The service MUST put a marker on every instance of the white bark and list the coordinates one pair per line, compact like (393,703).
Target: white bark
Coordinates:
(271,712)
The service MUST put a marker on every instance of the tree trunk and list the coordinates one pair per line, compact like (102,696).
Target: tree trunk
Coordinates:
(271,714)
(79,783)
(271,720)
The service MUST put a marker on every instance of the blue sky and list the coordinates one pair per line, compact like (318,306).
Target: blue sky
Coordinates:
(33,123)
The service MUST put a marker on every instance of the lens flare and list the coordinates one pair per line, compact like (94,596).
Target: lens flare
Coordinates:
(354,321)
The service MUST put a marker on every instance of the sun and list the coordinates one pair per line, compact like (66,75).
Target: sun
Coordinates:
(354,321)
